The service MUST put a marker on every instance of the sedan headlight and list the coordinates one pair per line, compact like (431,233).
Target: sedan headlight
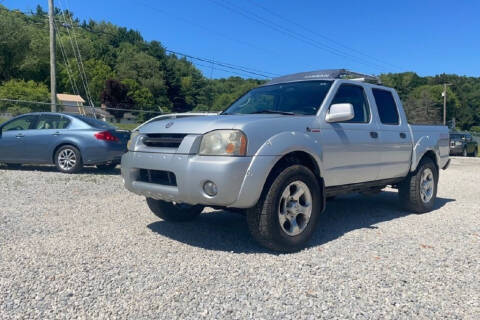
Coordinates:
(132,141)
(223,143)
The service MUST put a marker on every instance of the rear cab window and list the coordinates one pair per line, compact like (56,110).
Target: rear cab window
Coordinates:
(386,106)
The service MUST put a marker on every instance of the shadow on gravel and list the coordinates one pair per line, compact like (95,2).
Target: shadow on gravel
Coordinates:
(47,168)
(226,231)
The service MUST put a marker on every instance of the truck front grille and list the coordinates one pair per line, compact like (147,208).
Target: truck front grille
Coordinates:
(162,140)
(165,178)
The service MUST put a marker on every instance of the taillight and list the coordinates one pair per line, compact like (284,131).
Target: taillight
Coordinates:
(105,135)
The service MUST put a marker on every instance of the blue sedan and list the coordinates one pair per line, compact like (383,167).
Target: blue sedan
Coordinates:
(66,140)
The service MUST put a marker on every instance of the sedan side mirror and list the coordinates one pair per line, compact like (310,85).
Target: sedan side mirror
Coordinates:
(340,112)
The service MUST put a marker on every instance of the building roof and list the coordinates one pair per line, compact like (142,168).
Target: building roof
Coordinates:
(69,97)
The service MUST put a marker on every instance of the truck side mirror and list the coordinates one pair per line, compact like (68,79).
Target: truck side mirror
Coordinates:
(340,112)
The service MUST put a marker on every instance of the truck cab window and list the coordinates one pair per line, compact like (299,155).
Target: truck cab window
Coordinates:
(387,108)
(349,93)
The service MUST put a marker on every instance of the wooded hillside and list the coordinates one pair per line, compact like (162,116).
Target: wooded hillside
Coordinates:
(151,78)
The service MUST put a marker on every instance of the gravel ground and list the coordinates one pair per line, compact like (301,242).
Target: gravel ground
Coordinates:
(80,246)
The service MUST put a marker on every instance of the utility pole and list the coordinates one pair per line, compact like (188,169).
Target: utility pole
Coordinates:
(444,104)
(53,82)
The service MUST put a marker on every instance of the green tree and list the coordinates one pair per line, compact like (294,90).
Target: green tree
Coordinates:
(23,90)
(14,43)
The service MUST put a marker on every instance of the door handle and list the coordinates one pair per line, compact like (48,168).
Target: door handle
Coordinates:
(374,134)
(57,133)
(20,135)
(403,135)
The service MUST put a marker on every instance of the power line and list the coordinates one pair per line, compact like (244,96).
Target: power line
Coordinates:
(78,56)
(256,3)
(209,30)
(229,66)
(292,34)
(62,105)
(71,79)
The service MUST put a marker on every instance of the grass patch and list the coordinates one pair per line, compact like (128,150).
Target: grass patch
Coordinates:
(125,126)
(2,120)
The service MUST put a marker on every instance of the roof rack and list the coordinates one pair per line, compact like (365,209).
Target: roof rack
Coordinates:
(326,74)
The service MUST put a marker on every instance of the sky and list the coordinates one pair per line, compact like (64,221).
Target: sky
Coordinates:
(276,37)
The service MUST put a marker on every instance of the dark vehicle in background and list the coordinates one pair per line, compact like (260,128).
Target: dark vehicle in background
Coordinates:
(69,141)
(463,144)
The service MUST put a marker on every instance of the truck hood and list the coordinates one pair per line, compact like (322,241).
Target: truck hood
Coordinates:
(201,125)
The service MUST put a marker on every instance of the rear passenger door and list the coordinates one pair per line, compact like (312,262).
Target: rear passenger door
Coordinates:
(394,135)
(350,148)
(48,132)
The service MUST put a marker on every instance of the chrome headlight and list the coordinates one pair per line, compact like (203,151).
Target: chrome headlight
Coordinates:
(223,143)
(133,139)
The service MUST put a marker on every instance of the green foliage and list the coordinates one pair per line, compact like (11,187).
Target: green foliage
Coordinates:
(2,120)
(423,101)
(475,129)
(125,126)
(157,81)
(23,90)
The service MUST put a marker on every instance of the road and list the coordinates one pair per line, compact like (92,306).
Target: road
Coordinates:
(80,246)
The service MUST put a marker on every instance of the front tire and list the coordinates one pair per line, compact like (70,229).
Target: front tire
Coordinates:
(174,212)
(285,217)
(418,191)
(68,159)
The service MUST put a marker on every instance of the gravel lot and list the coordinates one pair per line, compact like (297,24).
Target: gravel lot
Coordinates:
(80,246)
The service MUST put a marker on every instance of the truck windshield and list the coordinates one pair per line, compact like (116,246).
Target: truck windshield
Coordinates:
(456,136)
(296,98)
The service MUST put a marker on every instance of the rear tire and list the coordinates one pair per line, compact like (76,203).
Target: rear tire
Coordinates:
(68,159)
(174,212)
(107,167)
(418,191)
(281,220)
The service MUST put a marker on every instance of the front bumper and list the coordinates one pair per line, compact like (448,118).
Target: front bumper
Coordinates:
(191,172)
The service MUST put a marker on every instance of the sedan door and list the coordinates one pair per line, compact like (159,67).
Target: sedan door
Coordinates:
(46,135)
(12,139)
(350,148)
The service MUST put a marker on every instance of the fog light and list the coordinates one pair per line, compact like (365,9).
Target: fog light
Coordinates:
(210,188)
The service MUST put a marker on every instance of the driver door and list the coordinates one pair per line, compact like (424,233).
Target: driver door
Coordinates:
(350,148)
(12,139)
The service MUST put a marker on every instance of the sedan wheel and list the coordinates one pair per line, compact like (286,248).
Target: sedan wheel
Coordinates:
(68,159)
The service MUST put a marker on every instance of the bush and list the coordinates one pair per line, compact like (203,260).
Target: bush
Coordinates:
(475,129)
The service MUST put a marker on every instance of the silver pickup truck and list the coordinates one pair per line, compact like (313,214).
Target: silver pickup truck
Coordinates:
(282,149)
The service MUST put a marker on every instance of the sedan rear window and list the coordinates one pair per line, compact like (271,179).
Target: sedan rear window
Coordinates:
(98,124)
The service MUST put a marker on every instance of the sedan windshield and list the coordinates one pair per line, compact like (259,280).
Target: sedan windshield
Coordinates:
(296,98)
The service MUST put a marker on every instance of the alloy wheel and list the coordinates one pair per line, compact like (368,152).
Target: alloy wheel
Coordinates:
(295,208)
(67,159)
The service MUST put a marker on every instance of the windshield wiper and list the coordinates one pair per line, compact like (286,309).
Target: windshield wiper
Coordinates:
(274,112)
